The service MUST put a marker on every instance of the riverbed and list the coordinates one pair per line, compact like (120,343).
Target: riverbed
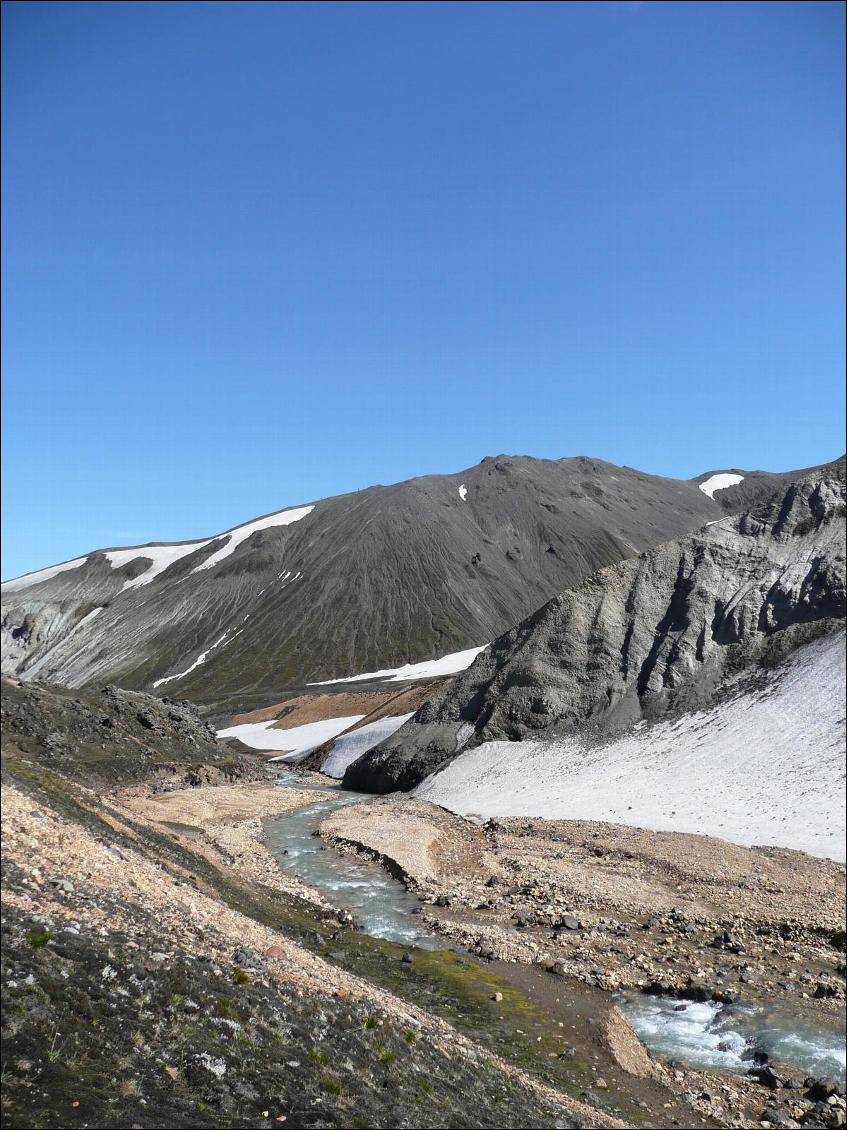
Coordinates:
(702,1035)
(380,904)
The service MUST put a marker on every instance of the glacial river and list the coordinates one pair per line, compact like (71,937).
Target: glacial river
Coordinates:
(703,1035)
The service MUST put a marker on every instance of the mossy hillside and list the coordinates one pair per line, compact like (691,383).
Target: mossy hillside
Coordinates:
(450,985)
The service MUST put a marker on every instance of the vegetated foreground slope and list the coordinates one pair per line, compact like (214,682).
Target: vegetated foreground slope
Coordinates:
(642,638)
(359,582)
(147,985)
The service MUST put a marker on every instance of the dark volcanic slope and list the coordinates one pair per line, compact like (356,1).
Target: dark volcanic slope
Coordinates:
(359,582)
(109,737)
(642,637)
(758,487)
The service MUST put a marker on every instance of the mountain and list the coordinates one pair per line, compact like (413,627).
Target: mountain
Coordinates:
(649,637)
(355,583)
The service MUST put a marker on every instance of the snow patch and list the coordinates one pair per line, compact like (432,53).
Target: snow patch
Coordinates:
(720,482)
(297,741)
(161,557)
(350,747)
(765,767)
(237,536)
(201,658)
(463,492)
(41,575)
(428,669)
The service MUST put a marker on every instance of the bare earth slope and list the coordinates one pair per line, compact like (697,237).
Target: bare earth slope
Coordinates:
(640,639)
(359,582)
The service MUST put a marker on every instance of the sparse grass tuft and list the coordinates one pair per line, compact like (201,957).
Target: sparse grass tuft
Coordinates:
(38,938)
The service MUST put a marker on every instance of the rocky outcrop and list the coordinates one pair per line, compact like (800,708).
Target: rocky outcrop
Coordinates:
(642,638)
(110,736)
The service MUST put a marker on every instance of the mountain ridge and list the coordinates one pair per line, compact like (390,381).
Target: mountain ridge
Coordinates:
(362,581)
(640,638)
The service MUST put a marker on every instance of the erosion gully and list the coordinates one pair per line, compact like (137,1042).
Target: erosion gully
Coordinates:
(535,1023)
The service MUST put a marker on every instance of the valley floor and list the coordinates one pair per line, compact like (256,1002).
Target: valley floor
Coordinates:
(151,978)
(161,968)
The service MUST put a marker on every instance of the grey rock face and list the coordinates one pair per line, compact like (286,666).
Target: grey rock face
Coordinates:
(641,638)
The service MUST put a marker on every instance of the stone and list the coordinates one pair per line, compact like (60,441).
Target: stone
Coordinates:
(819,1090)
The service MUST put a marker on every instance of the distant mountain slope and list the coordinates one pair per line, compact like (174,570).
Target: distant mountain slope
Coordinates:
(757,487)
(359,582)
(642,638)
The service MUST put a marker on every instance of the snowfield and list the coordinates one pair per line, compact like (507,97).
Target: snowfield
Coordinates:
(297,741)
(765,767)
(350,747)
(428,669)
(720,482)
(161,557)
(237,536)
(41,575)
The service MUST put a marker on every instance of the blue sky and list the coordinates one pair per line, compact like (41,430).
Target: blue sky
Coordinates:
(259,254)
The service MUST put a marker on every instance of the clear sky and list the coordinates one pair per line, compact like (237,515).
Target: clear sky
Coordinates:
(256,254)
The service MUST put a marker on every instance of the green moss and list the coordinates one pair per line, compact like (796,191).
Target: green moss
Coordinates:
(38,938)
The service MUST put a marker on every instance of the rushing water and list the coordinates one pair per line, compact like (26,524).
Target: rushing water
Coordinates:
(724,1037)
(702,1034)
(382,905)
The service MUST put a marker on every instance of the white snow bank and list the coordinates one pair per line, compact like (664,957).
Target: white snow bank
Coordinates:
(720,482)
(237,536)
(296,741)
(463,492)
(428,669)
(41,575)
(161,557)
(350,747)
(766,767)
